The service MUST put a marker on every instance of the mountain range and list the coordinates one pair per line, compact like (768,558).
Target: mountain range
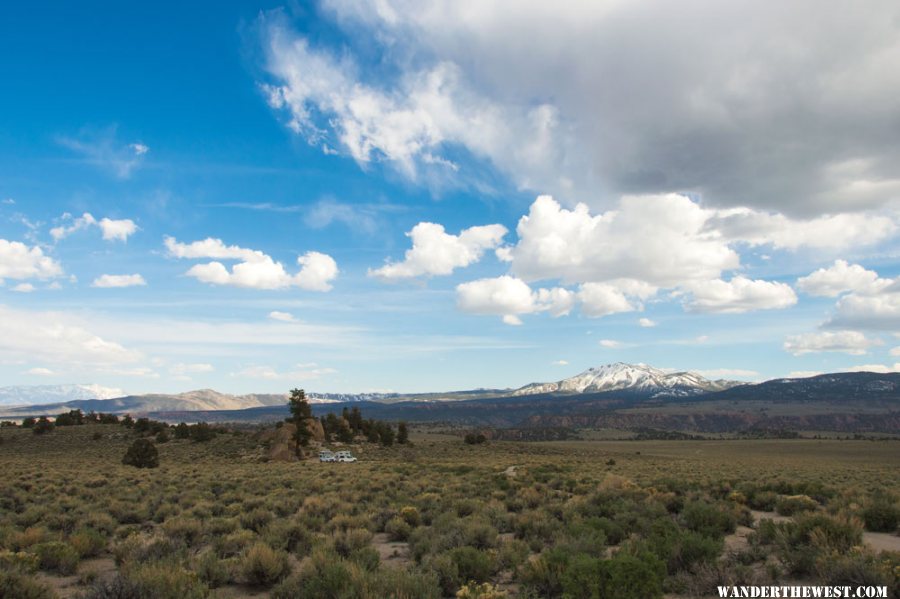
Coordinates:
(621,396)
(637,378)
(631,377)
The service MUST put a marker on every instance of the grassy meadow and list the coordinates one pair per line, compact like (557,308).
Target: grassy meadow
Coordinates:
(441,518)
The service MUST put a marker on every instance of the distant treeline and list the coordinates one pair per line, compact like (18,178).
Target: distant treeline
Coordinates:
(198,432)
(351,424)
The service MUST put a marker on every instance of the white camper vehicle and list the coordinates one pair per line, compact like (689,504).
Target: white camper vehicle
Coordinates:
(344,456)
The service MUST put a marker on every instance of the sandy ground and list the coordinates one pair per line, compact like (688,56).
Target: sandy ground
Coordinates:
(391,553)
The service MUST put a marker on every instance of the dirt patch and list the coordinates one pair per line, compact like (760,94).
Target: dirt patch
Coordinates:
(103,567)
(233,591)
(774,516)
(68,586)
(392,553)
(737,542)
(882,541)
(64,586)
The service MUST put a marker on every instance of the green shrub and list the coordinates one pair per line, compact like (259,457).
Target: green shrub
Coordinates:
(288,535)
(472,564)
(882,515)
(794,504)
(402,584)
(141,454)
(480,591)
(183,529)
(762,500)
(263,566)
(709,519)
(444,568)
(346,542)
(17,585)
(235,543)
(860,567)
(156,580)
(812,535)
(141,548)
(57,556)
(88,542)
(684,550)
(366,558)
(624,576)
(256,519)
(398,529)
(211,569)
(18,561)
(544,574)
(411,515)
(512,554)
(324,576)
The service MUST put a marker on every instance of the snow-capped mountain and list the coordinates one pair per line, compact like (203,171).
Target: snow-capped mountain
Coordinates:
(29,395)
(631,377)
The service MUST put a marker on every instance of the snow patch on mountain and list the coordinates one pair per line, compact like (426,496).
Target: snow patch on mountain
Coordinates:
(29,395)
(631,377)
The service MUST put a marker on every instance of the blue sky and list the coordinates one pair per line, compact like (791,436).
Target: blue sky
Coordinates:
(475,200)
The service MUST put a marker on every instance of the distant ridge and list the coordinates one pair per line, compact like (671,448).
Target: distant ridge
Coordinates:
(620,376)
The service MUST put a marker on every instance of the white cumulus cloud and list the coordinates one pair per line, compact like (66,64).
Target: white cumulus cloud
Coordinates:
(112,230)
(738,295)
(109,281)
(838,278)
(19,261)
(117,230)
(510,297)
(255,269)
(848,342)
(436,252)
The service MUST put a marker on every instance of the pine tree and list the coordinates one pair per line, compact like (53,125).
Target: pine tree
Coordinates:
(402,433)
(300,413)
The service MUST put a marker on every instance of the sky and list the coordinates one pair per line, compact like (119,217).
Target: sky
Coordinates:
(357,196)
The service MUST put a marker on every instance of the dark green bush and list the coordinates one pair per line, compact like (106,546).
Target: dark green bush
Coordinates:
(709,519)
(42,426)
(472,564)
(882,515)
(624,576)
(141,454)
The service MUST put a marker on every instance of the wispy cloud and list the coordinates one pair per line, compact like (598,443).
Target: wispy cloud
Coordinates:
(104,150)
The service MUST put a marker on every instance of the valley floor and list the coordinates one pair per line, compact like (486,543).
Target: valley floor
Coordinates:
(442,518)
